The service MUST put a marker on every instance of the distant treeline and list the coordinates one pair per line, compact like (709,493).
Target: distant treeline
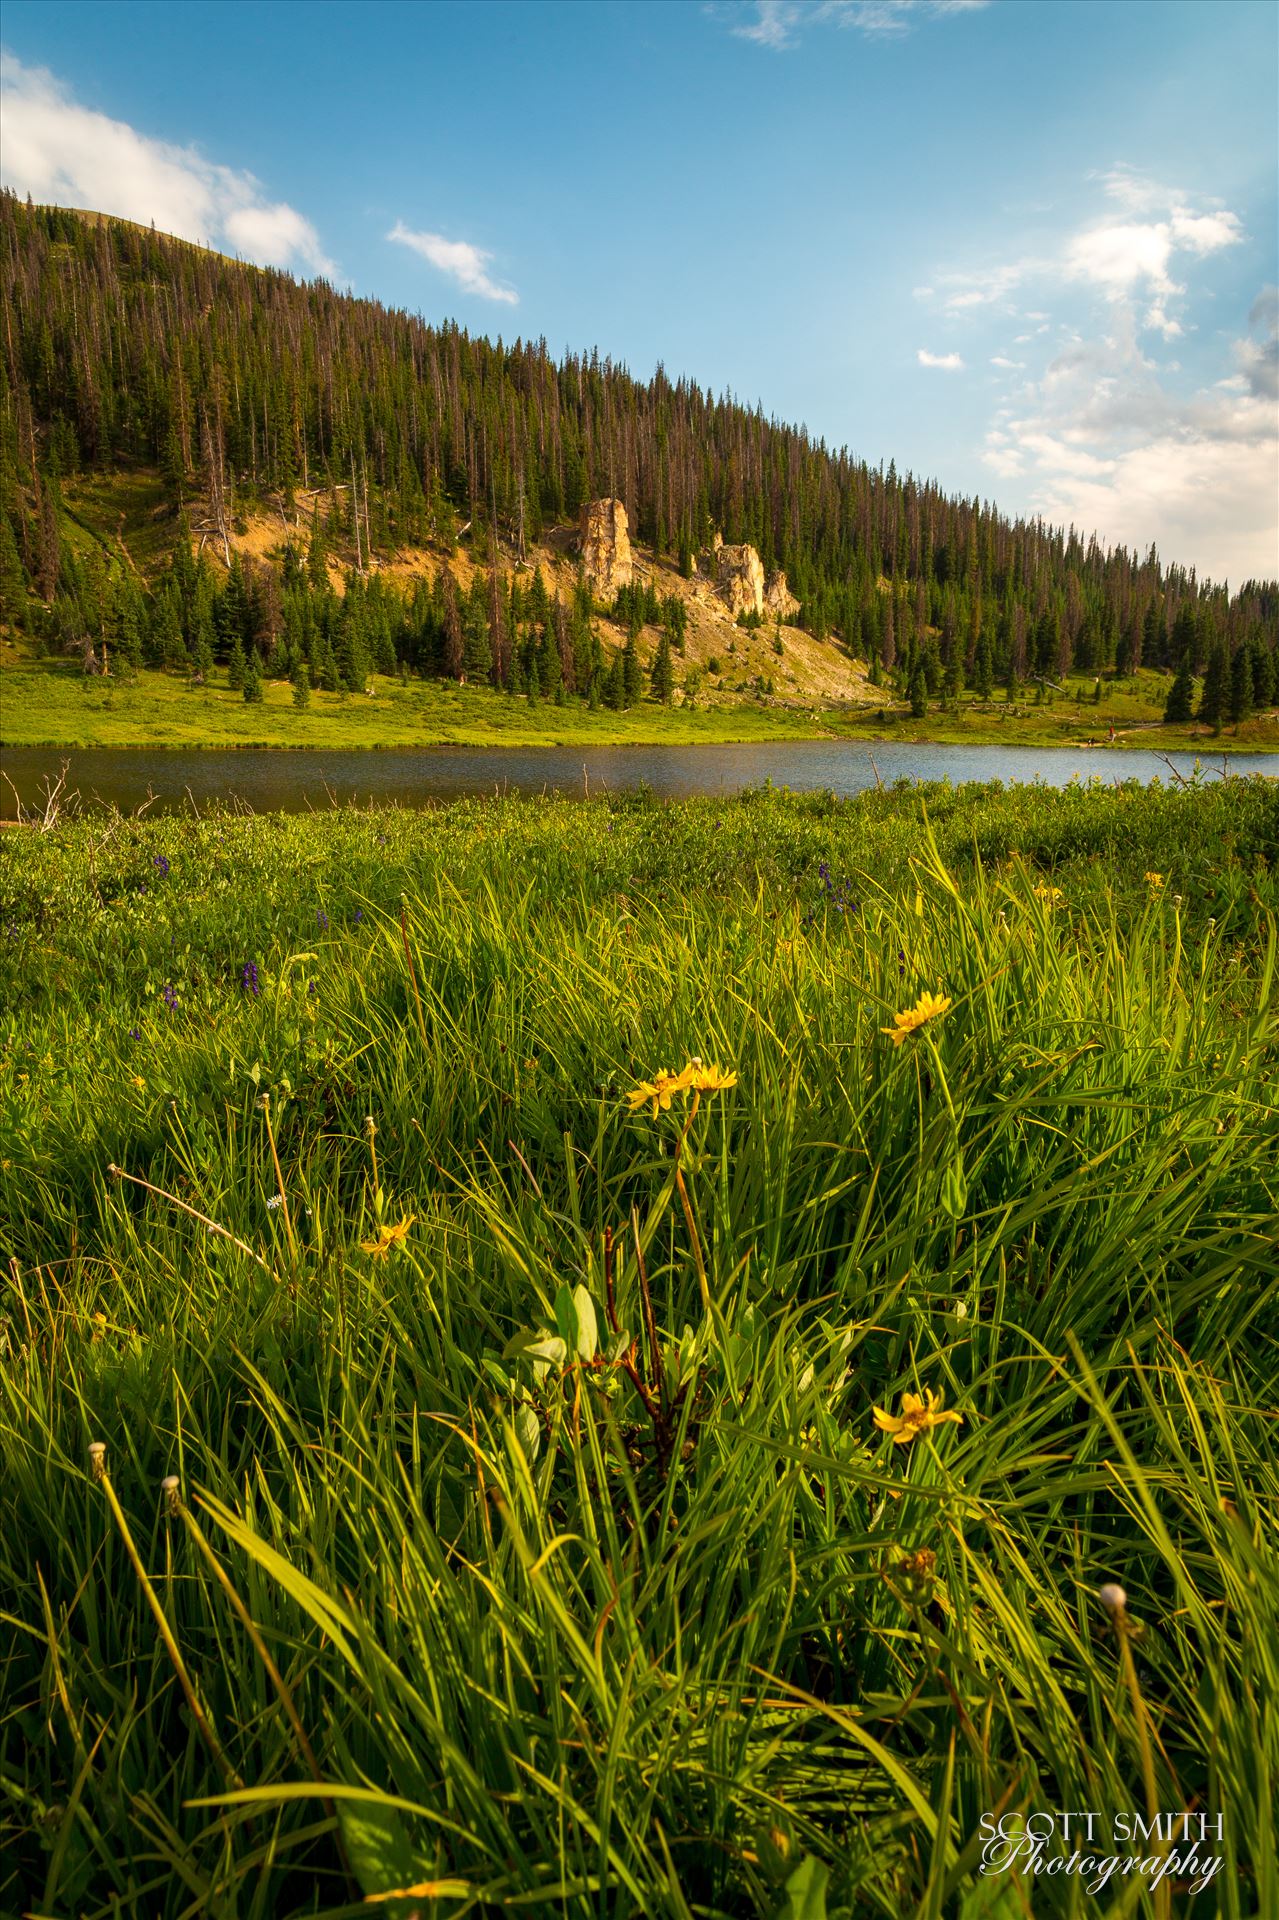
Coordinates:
(123,347)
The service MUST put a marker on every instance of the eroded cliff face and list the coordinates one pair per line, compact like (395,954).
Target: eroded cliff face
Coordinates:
(605,546)
(779,601)
(739,579)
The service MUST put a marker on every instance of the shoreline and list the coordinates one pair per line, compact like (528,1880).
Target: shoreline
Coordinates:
(1205,747)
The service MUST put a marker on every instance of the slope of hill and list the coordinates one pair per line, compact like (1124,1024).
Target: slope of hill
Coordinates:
(198,461)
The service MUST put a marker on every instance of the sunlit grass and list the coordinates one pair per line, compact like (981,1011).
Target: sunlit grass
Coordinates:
(497,1504)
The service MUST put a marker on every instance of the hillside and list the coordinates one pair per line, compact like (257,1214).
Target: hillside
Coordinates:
(212,471)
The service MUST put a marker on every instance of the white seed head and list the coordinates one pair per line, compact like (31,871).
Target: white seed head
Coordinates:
(961,1309)
(1112,1597)
(169,1488)
(98,1458)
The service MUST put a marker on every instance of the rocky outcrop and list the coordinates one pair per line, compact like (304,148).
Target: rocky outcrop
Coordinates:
(605,546)
(779,601)
(739,577)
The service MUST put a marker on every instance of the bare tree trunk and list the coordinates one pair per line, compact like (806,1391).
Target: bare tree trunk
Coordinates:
(217,489)
(355,516)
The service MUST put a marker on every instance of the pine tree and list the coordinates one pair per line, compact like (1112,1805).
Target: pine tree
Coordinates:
(301,686)
(984,668)
(1241,690)
(663,678)
(451,623)
(918,692)
(201,663)
(477,652)
(1181,695)
(632,674)
(13,586)
(252,688)
(1215,696)
(236,666)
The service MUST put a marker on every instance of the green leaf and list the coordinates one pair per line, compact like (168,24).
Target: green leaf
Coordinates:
(377,1846)
(566,1318)
(541,1350)
(588,1336)
(954,1188)
(528,1431)
(806,1891)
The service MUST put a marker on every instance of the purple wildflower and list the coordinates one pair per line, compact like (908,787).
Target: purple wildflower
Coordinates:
(135,1033)
(162,864)
(249,978)
(321,919)
(359,915)
(170,996)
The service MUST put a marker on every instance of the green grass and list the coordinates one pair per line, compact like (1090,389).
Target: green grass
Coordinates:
(481,1575)
(1134,706)
(46,703)
(55,705)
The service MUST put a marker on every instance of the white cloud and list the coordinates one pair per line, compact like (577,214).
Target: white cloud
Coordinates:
(1122,259)
(1131,256)
(1115,258)
(949,362)
(1098,441)
(459,259)
(773,24)
(1204,232)
(1100,432)
(776,24)
(1204,502)
(64,154)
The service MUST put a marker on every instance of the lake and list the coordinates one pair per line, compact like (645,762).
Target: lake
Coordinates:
(276,780)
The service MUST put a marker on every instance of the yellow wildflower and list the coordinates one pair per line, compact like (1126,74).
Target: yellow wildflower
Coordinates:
(1156,880)
(388,1237)
(917,1416)
(658,1090)
(707,1079)
(926,1008)
(138,1081)
(693,1077)
(1050,894)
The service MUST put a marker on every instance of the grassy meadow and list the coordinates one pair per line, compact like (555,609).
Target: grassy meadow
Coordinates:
(440,1477)
(47,702)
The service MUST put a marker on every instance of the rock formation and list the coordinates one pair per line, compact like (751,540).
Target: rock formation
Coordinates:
(605,546)
(739,576)
(778,598)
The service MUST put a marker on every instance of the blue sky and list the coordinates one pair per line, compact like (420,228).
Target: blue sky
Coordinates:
(1026,249)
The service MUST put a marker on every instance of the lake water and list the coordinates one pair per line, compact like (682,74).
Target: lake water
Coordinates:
(288,781)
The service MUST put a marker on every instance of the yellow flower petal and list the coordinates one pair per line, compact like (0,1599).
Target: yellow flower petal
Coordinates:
(928,1007)
(388,1236)
(917,1416)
